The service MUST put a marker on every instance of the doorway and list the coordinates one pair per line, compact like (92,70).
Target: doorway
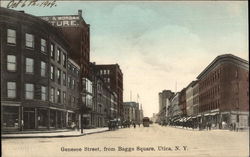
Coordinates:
(29,118)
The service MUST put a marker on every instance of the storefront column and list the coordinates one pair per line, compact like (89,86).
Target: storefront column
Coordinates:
(48,119)
(36,119)
(67,119)
(56,125)
(21,122)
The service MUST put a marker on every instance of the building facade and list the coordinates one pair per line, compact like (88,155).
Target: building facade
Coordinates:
(183,103)
(163,97)
(224,92)
(132,112)
(113,77)
(190,98)
(34,58)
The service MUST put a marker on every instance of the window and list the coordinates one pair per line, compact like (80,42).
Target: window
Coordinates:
(29,40)
(52,95)
(43,45)
(11,89)
(73,84)
(64,59)
(52,72)
(43,93)
(52,51)
(59,76)
(58,96)
(29,91)
(58,56)
(29,65)
(43,68)
(11,63)
(236,73)
(64,78)
(11,36)
(70,99)
(69,82)
(64,97)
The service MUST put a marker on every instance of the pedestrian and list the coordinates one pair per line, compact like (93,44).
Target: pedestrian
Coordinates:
(134,125)
(139,124)
(234,126)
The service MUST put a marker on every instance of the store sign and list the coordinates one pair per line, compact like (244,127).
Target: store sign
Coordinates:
(62,21)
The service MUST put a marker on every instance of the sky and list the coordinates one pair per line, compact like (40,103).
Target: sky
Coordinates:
(159,45)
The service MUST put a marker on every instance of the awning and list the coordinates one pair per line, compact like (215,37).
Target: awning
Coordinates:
(189,118)
(212,114)
(199,115)
(207,114)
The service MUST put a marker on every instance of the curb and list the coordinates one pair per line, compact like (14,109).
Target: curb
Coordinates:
(56,136)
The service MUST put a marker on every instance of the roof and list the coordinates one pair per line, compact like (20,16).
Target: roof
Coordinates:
(224,58)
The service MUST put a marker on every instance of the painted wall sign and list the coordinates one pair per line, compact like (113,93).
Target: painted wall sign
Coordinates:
(62,21)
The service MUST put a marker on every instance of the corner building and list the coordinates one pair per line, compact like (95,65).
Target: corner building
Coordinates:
(34,58)
(224,92)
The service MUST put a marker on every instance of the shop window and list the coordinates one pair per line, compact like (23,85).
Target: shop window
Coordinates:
(29,65)
(11,63)
(52,118)
(43,45)
(11,89)
(29,40)
(11,36)
(42,118)
(10,117)
(29,91)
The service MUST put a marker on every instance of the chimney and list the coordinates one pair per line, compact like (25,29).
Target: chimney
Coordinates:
(80,13)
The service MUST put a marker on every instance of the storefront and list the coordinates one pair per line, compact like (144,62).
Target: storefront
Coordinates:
(19,118)
(10,118)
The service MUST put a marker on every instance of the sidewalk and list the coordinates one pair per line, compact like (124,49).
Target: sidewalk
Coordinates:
(55,134)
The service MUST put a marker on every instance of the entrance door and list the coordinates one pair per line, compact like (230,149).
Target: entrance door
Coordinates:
(29,119)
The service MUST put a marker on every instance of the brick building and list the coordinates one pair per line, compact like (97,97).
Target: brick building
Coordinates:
(34,58)
(113,77)
(183,103)
(224,91)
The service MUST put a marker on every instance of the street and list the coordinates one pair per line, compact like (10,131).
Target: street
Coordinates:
(140,141)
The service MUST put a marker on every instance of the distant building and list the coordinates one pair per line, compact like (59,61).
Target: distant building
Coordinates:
(183,103)
(131,111)
(189,98)
(113,77)
(163,97)
(141,114)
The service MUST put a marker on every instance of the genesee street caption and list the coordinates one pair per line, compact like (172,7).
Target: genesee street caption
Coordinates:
(125,149)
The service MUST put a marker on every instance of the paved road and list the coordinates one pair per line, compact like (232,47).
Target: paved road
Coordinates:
(153,141)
